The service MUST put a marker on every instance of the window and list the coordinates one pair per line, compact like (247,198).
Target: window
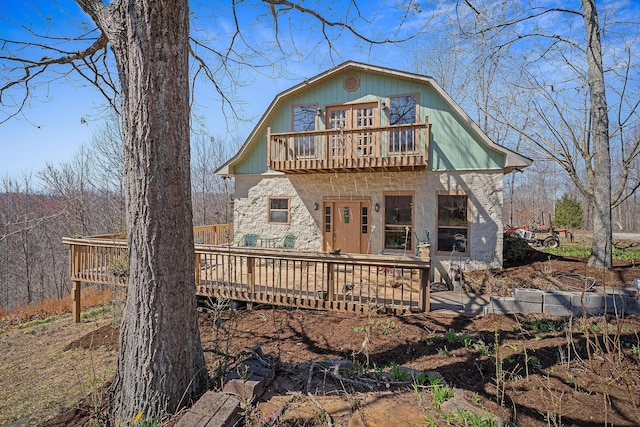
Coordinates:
(398,222)
(453,223)
(327,219)
(304,120)
(279,210)
(402,111)
(364,219)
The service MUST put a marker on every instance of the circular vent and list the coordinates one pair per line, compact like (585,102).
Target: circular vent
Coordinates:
(351,83)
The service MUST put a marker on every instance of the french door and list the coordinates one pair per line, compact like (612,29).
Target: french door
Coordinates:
(350,144)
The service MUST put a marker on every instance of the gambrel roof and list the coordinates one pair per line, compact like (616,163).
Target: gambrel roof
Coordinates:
(510,159)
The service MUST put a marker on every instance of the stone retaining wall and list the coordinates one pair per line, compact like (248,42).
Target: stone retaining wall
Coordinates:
(560,303)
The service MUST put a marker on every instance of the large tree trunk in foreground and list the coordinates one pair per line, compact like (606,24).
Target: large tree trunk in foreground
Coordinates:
(160,364)
(601,251)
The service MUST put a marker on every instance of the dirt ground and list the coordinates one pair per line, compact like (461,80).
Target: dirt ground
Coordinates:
(548,272)
(532,371)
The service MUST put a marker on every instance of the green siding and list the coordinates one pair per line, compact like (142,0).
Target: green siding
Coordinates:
(453,145)
(255,162)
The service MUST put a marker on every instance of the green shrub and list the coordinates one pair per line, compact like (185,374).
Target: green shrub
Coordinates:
(515,249)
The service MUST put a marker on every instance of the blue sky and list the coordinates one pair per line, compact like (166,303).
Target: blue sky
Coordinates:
(62,114)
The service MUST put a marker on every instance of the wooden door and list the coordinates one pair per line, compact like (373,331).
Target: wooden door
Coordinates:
(364,116)
(337,119)
(347,226)
(350,117)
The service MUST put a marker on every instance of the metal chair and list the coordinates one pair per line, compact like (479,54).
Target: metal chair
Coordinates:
(289,242)
(250,240)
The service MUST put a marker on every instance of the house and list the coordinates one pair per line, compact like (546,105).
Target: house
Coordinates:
(366,159)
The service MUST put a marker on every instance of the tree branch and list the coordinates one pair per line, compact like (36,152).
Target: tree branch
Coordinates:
(30,69)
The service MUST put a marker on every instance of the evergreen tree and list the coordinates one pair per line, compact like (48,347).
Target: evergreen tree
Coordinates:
(568,212)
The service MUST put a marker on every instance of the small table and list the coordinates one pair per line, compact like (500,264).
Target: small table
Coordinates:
(268,242)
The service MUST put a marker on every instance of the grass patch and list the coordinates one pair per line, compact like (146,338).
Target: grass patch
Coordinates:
(36,322)
(96,312)
(440,394)
(581,251)
(37,377)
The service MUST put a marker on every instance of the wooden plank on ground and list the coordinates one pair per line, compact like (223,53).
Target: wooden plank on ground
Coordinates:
(213,409)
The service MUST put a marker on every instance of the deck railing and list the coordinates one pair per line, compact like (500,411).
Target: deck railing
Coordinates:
(218,234)
(397,147)
(316,280)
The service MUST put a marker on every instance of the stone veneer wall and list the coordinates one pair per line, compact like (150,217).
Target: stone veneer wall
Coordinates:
(484,188)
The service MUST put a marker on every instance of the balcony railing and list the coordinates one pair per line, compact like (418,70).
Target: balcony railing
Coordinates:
(317,280)
(398,147)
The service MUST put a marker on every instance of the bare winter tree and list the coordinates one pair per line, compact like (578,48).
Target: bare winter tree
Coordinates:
(32,265)
(84,196)
(484,85)
(160,364)
(108,174)
(70,182)
(565,93)
(210,193)
(90,187)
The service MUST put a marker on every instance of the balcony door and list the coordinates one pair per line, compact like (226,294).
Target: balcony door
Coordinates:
(348,118)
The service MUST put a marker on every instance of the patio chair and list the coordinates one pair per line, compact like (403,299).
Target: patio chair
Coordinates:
(289,242)
(250,240)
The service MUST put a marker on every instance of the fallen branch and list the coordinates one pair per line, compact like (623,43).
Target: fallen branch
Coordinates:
(362,382)
(276,418)
(310,376)
(327,417)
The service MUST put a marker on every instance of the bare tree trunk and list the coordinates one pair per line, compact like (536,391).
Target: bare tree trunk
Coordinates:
(601,252)
(160,364)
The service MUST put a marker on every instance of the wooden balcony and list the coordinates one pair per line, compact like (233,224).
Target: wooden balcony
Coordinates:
(388,148)
(315,280)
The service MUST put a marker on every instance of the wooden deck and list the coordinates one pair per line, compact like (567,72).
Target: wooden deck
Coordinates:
(315,280)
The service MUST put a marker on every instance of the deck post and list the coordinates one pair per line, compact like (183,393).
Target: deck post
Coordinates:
(75,292)
(425,291)
(251,281)
(75,260)
(330,282)
(198,265)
